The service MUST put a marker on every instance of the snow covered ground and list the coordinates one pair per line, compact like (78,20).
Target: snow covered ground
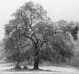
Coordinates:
(54,70)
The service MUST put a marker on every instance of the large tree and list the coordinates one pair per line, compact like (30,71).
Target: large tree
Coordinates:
(22,27)
(31,35)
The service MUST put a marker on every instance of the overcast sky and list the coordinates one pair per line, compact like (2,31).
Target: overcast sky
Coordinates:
(57,10)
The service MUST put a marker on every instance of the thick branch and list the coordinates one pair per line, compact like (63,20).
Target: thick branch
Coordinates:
(44,39)
(31,39)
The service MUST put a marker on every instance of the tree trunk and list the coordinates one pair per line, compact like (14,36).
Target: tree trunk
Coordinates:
(36,60)
(36,63)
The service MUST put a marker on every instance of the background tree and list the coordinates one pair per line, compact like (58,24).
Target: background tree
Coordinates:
(68,27)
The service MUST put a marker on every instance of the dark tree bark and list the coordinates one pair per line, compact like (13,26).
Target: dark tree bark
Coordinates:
(36,63)
(36,58)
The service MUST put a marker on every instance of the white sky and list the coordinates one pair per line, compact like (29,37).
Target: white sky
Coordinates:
(57,10)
